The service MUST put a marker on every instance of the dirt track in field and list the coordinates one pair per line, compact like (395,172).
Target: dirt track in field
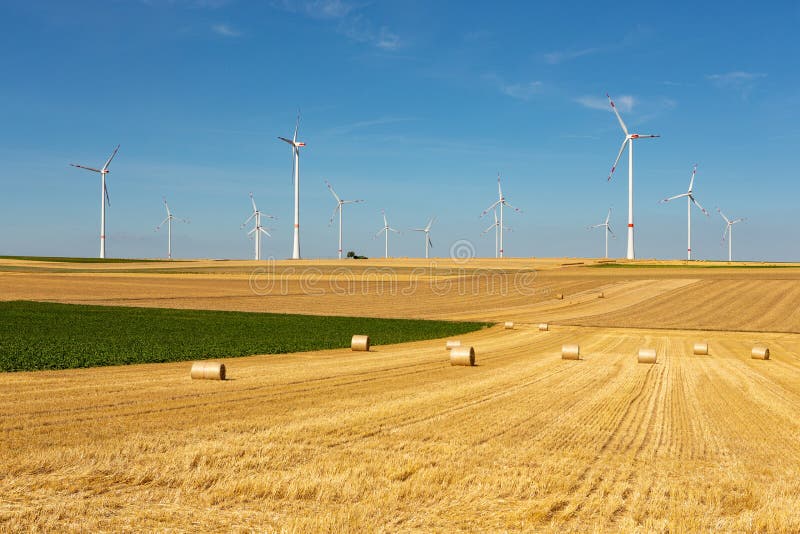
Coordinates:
(397,439)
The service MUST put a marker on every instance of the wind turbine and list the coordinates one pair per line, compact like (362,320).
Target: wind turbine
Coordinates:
(339,204)
(629,137)
(427,230)
(501,201)
(386,228)
(729,232)
(496,226)
(607,226)
(257,229)
(170,217)
(296,145)
(689,201)
(103,198)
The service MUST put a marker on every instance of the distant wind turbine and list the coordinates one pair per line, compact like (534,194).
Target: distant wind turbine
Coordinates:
(386,229)
(427,231)
(103,198)
(629,138)
(257,229)
(170,217)
(496,226)
(608,230)
(689,201)
(501,201)
(729,232)
(296,145)
(339,207)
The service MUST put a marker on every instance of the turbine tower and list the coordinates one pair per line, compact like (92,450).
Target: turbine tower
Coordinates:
(496,226)
(607,226)
(386,228)
(339,204)
(629,138)
(729,232)
(296,145)
(427,230)
(257,229)
(103,198)
(689,201)
(170,217)
(501,201)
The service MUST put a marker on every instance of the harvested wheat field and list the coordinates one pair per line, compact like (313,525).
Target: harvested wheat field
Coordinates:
(397,439)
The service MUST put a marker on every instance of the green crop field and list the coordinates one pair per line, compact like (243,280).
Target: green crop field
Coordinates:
(38,335)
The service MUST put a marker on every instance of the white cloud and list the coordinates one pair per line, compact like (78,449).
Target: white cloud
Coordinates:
(225,30)
(735,78)
(623,102)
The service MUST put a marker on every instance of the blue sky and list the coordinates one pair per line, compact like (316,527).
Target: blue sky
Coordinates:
(412,106)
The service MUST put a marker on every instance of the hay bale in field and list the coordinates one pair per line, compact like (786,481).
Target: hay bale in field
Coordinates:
(360,343)
(647,356)
(560,296)
(760,352)
(208,371)
(453,343)
(571,351)
(700,348)
(508,325)
(544,327)
(601,295)
(462,356)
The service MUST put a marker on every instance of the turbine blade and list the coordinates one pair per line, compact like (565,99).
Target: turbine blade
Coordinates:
(395,231)
(608,216)
(614,167)
(248,220)
(108,162)
(330,188)
(691,182)
(696,203)
(286,140)
(516,210)
(664,201)
(430,242)
(252,231)
(385,223)
(490,208)
(105,189)
(296,127)
(499,189)
(84,167)
(253,201)
(646,136)
(379,233)
(619,118)
(723,216)
(740,219)
(264,231)
(725,233)
(608,227)
(338,206)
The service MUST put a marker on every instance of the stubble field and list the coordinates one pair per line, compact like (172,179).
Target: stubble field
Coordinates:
(398,440)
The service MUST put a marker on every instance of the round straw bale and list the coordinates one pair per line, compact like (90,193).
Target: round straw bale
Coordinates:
(760,352)
(359,343)
(571,351)
(462,356)
(601,295)
(208,371)
(700,348)
(544,327)
(559,296)
(647,355)
(453,343)
(508,325)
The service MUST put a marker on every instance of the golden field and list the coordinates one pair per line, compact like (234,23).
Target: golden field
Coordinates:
(398,440)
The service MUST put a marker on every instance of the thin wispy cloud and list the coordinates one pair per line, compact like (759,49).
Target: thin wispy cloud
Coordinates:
(623,102)
(360,125)
(554,58)
(520,90)
(225,30)
(740,81)
(349,21)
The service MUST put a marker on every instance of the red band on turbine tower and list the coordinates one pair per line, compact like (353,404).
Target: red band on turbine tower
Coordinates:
(630,225)
(297,226)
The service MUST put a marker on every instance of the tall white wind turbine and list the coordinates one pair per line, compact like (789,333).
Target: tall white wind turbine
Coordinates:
(170,217)
(386,229)
(103,198)
(501,202)
(296,145)
(607,227)
(257,229)
(689,201)
(629,138)
(427,230)
(339,207)
(729,232)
